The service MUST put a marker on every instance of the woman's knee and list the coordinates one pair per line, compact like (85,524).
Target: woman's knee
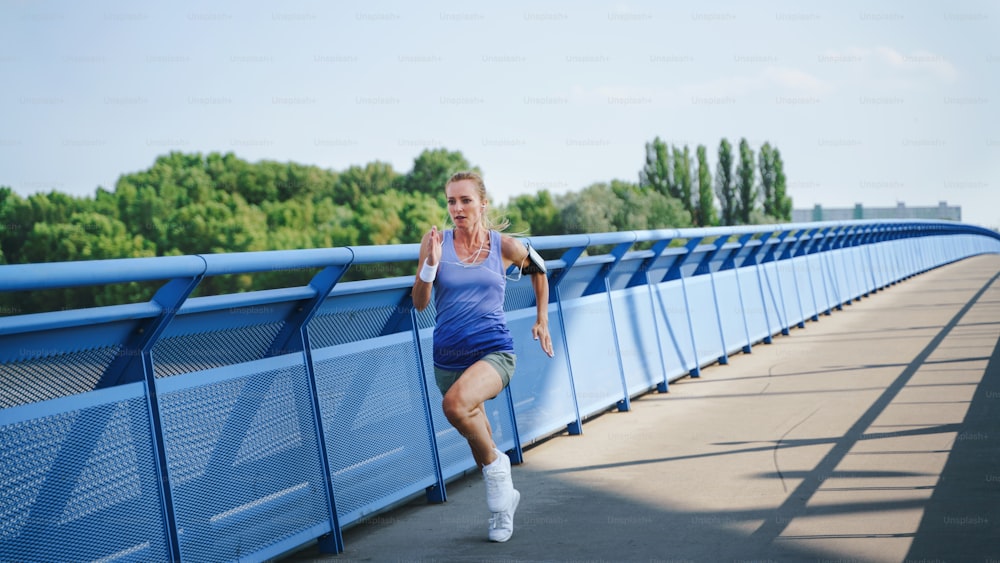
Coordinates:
(453,406)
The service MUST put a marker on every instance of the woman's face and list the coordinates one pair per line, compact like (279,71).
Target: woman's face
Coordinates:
(464,204)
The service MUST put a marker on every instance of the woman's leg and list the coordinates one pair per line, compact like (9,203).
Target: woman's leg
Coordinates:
(463,406)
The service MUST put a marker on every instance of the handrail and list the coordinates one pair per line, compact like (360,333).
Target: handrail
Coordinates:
(321,396)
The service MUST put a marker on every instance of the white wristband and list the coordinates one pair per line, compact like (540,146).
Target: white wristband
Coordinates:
(428,272)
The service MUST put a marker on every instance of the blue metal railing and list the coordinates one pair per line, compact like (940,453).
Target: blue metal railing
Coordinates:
(245,425)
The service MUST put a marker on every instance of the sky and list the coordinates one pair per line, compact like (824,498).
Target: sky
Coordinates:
(870,102)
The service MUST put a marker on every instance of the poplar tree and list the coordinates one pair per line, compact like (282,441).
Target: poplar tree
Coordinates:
(765,165)
(782,203)
(656,173)
(724,185)
(704,214)
(682,178)
(746,189)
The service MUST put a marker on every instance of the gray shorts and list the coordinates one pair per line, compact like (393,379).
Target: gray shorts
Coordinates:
(503,362)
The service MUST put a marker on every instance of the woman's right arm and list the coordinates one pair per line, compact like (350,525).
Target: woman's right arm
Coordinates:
(430,258)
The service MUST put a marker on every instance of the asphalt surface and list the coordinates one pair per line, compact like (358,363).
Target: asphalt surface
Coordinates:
(872,434)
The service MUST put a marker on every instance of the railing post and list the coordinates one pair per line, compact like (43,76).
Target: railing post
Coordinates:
(569,258)
(676,272)
(769,256)
(625,403)
(788,254)
(294,337)
(706,266)
(170,297)
(435,494)
(730,263)
(642,277)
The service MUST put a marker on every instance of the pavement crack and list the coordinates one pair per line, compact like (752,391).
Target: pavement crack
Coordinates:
(777,446)
(770,372)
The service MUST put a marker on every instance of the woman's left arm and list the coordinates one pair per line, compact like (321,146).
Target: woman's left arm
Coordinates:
(514,252)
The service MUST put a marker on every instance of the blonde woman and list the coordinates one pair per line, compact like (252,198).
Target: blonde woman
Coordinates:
(473,349)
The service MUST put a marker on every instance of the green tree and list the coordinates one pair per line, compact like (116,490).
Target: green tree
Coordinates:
(420,211)
(724,185)
(593,209)
(380,219)
(643,209)
(85,236)
(357,182)
(704,214)
(682,178)
(765,165)
(16,222)
(534,215)
(746,187)
(782,205)
(657,173)
(431,169)
(333,225)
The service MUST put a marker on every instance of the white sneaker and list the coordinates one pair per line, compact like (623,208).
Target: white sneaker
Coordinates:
(499,486)
(502,523)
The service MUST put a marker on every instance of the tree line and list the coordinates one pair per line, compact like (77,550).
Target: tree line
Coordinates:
(195,204)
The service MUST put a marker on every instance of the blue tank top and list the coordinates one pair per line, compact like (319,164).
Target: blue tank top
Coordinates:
(469,302)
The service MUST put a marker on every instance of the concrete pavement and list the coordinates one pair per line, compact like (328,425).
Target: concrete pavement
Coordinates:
(870,435)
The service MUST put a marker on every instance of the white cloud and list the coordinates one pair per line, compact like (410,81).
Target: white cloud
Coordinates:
(794,79)
(921,62)
(918,65)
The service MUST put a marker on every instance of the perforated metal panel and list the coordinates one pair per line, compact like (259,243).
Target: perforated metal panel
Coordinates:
(704,319)
(754,311)
(623,273)
(675,331)
(637,332)
(519,294)
(373,413)
(348,326)
(596,373)
(49,377)
(207,350)
(80,474)
(540,387)
(731,314)
(453,450)
(243,458)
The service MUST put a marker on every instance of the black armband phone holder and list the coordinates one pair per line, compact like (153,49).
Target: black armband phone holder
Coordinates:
(536,264)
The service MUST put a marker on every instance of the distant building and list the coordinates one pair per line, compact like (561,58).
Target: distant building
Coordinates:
(901,211)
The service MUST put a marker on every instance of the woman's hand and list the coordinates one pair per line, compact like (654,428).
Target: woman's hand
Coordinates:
(430,246)
(430,257)
(540,332)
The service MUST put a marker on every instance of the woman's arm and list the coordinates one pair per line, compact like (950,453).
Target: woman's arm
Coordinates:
(514,252)
(430,258)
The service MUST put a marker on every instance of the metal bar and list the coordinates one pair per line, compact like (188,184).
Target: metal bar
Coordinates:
(625,403)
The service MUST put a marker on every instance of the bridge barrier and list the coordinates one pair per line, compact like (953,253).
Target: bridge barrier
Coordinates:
(242,426)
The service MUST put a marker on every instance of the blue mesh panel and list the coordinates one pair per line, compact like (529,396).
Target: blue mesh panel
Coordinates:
(372,407)
(623,273)
(243,459)
(640,352)
(73,476)
(754,312)
(596,374)
(704,320)
(542,396)
(519,294)
(425,318)
(731,310)
(40,379)
(196,352)
(453,450)
(343,327)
